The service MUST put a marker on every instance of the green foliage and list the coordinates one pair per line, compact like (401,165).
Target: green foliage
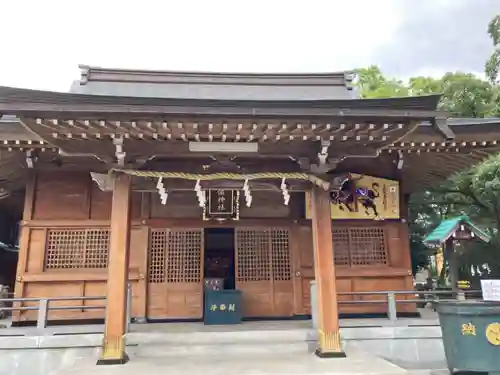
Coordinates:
(373,84)
(463,94)
(492,65)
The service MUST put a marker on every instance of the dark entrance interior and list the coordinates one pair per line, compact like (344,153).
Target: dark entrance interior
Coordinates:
(220,255)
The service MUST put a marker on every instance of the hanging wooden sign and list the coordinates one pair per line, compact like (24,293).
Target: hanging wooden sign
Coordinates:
(463,234)
(362,197)
(221,204)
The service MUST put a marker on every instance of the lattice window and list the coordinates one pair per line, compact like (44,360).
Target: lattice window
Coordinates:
(184,249)
(368,246)
(341,246)
(280,254)
(77,248)
(157,254)
(252,248)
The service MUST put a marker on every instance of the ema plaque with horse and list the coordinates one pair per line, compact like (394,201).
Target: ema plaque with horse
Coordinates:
(363,197)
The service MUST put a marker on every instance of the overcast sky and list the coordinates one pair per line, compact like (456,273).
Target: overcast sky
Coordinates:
(42,42)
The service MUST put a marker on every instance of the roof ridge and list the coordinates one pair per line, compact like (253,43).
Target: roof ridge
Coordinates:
(90,68)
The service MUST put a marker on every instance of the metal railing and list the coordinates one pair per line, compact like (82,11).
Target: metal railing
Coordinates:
(44,306)
(391,300)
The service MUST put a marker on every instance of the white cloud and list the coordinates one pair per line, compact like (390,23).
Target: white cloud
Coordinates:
(43,41)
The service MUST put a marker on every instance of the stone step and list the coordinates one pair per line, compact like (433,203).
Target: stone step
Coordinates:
(221,350)
(209,338)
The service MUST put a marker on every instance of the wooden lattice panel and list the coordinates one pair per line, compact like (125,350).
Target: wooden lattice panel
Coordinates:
(157,254)
(368,246)
(184,256)
(280,254)
(341,246)
(252,249)
(77,248)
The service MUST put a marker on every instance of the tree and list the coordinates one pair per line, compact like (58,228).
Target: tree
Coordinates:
(465,95)
(424,86)
(373,84)
(492,65)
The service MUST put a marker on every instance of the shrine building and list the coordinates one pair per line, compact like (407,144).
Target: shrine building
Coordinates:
(269,181)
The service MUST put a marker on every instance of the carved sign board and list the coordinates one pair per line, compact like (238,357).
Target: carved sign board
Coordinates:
(464,234)
(221,204)
(363,197)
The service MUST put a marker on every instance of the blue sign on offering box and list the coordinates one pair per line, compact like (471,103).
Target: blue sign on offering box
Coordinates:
(222,307)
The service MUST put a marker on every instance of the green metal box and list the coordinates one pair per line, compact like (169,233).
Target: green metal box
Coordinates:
(471,335)
(222,307)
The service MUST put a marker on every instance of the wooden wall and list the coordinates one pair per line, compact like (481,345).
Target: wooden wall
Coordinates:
(69,208)
(391,273)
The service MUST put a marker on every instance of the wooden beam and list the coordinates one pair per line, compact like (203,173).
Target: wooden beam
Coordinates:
(119,250)
(324,265)
(24,242)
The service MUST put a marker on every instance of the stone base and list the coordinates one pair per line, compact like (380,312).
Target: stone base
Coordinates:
(113,361)
(321,354)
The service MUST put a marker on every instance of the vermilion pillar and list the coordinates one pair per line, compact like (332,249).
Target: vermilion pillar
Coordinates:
(324,269)
(113,351)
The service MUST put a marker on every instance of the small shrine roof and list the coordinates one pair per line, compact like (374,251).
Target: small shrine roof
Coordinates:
(448,227)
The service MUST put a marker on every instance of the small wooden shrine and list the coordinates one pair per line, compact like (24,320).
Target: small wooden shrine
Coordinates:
(447,233)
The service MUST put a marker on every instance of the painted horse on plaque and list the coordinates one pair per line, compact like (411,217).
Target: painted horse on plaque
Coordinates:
(349,194)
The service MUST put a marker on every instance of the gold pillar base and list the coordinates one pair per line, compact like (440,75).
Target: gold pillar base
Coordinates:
(113,351)
(329,345)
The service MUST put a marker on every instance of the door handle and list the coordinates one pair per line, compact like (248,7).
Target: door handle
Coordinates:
(297,274)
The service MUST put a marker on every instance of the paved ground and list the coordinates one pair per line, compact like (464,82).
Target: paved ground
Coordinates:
(296,364)
(265,357)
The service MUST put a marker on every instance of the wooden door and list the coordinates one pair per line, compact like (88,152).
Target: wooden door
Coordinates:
(175,269)
(264,272)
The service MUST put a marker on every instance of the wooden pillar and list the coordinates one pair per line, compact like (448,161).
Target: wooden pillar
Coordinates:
(324,269)
(113,351)
(452,259)
(24,244)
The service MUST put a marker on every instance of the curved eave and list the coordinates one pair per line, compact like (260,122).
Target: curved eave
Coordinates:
(21,102)
(428,169)
(467,129)
(12,133)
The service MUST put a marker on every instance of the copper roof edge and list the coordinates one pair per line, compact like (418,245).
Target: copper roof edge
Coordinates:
(22,95)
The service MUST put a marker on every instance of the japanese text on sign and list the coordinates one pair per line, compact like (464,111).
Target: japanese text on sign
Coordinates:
(223,307)
(221,202)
